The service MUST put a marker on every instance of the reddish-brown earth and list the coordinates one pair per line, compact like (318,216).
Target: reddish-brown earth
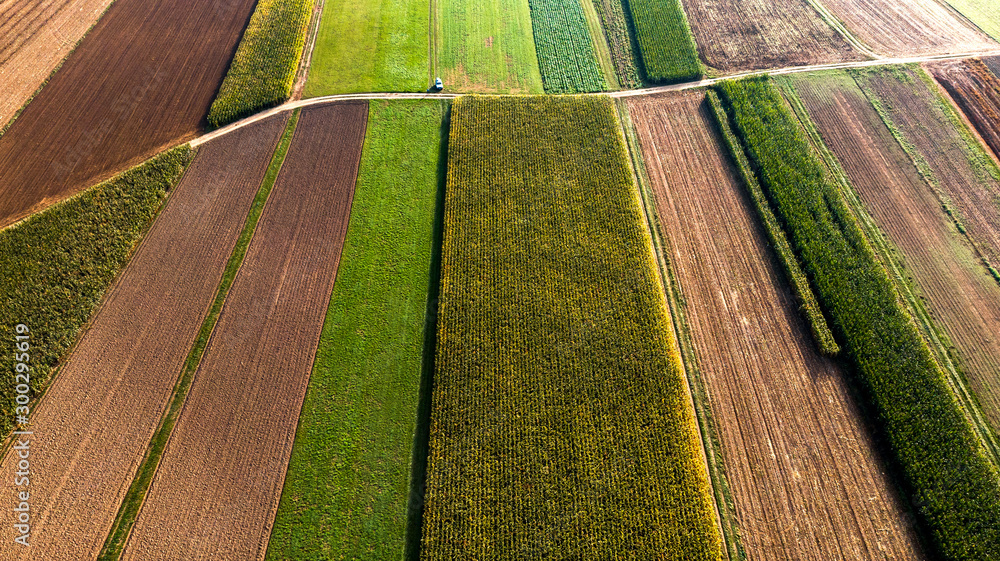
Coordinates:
(805,478)
(216,491)
(93,425)
(976,90)
(143,79)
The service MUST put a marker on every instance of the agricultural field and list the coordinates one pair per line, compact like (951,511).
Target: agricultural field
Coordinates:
(665,43)
(230,447)
(622,46)
(567,58)
(485,46)
(371,46)
(797,453)
(34,38)
(561,422)
(143,80)
(119,377)
(909,27)
(984,13)
(942,462)
(734,35)
(347,491)
(263,70)
(976,90)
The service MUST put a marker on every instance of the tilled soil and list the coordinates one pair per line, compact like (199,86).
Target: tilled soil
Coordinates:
(806,480)
(216,491)
(142,80)
(976,90)
(92,427)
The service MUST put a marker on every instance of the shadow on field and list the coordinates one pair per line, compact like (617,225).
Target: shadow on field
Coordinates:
(418,466)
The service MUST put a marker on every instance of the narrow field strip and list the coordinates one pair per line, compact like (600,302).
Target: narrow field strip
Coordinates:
(797,452)
(371,46)
(945,471)
(132,502)
(225,462)
(561,424)
(618,30)
(142,81)
(95,422)
(348,484)
(263,70)
(566,55)
(665,43)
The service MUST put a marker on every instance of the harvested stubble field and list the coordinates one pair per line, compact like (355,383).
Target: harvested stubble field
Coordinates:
(142,80)
(225,463)
(910,27)
(486,46)
(797,453)
(561,424)
(962,297)
(566,55)
(976,90)
(737,35)
(92,427)
(34,39)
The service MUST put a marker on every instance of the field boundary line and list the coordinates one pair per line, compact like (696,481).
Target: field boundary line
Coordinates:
(840,27)
(305,63)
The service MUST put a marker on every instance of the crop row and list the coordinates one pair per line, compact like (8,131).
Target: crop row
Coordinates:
(560,419)
(263,70)
(56,265)
(621,41)
(668,49)
(954,488)
(776,235)
(566,56)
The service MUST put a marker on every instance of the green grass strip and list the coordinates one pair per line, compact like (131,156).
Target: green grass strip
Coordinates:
(566,55)
(776,234)
(56,265)
(667,47)
(132,503)
(263,70)
(356,459)
(951,483)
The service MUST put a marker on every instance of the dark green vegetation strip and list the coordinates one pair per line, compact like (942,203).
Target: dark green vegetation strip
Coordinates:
(136,494)
(263,71)
(566,56)
(56,265)
(955,490)
(618,29)
(665,42)
(776,235)
(561,424)
(349,479)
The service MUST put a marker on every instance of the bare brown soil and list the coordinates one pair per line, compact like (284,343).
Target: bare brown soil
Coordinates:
(910,27)
(993,63)
(93,426)
(806,480)
(962,298)
(34,37)
(216,491)
(737,35)
(142,80)
(976,90)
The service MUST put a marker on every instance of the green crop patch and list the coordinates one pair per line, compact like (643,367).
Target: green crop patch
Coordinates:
(348,483)
(665,42)
(985,14)
(566,56)
(618,30)
(370,46)
(955,490)
(56,265)
(561,424)
(263,70)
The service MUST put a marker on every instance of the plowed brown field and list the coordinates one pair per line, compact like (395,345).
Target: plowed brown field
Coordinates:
(34,37)
(216,491)
(910,27)
(754,34)
(805,478)
(962,297)
(976,90)
(143,79)
(93,426)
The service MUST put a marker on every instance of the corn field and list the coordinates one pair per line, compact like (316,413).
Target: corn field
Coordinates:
(668,50)
(561,425)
